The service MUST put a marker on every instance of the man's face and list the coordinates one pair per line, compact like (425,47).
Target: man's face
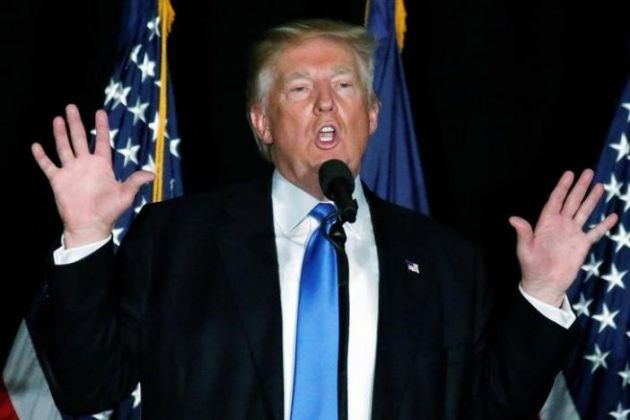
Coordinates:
(316,110)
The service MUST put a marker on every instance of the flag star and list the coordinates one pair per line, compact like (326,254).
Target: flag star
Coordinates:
(116,234)
(614,278)
(621,237)
(622,148)
(154,28)
(413,267)
(121,96)
(625,376)
(105,415)
(592,267)
(130,152)
(154,125)
(139,206)
(597,358)
(136,395)
(150,165)
(112,136)
(111,91)
(138,111)
(134,53)
(173,147)
(620,413)
(158,83)
(147,67)
(613,188)
(582,306)
(606,319)
(627,106)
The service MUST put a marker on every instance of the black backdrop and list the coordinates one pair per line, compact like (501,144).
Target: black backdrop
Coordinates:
(505,95)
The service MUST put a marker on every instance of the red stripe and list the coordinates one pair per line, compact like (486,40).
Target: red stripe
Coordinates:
(7,412)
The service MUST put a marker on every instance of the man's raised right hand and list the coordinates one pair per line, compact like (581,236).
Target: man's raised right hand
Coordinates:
(89,199)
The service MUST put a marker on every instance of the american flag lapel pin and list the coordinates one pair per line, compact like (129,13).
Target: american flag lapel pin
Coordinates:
(412,267)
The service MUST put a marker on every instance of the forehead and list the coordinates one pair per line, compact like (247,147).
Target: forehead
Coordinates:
(315,55)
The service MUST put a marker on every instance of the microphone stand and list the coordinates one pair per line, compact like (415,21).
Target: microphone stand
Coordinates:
(337,236)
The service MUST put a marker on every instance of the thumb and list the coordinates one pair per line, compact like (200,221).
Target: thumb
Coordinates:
(135,181)
(524,233)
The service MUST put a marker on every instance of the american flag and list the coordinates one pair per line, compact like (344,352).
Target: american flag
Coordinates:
(595,383)
(143,134)
(132,102)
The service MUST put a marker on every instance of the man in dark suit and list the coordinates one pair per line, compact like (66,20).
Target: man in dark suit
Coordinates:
(200,304)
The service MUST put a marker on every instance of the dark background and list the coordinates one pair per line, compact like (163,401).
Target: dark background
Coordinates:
(506,95)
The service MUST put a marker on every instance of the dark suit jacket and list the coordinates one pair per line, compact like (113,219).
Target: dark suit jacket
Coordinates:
(190,306)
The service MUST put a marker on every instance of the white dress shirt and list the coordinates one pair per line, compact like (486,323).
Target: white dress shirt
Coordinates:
(293,228)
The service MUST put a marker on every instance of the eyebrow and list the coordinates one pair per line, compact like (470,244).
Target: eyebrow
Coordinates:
(342,70)
(296,75)
(339,70)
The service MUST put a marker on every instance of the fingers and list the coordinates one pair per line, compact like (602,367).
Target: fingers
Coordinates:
(576,196)
(559,193)
(45,164)
(78,136)
(134,182)
(64,151)
(102,147)
(589,204)
(77,132)
(570,202)
(602,227)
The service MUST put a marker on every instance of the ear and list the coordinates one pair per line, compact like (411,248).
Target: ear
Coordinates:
(260,122)
(373,114)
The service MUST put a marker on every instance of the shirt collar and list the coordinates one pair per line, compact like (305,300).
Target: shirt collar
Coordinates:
(291,205)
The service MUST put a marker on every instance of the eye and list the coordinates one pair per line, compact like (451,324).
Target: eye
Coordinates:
(344,85)
(298,91)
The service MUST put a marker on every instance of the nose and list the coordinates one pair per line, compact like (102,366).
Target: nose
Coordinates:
(325,101)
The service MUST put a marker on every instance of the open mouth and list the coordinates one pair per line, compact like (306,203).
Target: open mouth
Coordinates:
(327,136)
(327,133)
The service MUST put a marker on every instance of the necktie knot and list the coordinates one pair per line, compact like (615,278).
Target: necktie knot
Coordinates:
(322,211)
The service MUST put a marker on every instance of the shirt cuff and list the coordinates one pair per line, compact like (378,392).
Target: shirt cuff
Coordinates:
(562,316)
(63,256)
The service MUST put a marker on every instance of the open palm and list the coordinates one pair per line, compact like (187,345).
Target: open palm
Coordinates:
(551,254)
(89,199)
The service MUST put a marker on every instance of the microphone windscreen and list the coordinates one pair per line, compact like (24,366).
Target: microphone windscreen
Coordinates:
(332,170)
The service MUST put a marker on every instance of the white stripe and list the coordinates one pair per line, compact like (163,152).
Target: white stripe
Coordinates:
(25,381)
(559,405)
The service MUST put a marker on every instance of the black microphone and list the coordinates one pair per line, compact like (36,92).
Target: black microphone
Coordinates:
(335,180)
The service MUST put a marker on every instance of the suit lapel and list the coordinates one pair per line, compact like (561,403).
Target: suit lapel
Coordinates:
(248,247)
(403,319)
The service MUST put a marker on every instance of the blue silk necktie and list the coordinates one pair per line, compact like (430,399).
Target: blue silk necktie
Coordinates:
(317,336)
